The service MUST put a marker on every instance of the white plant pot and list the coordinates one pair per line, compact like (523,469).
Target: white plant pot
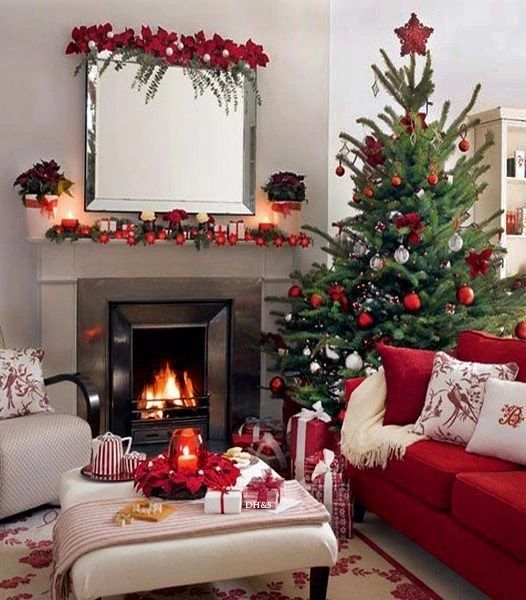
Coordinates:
(38,218)
(290,223)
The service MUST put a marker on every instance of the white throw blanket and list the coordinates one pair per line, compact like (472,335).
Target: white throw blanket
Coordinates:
(365,441)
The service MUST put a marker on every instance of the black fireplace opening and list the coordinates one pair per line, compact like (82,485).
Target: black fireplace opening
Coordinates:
(170,368)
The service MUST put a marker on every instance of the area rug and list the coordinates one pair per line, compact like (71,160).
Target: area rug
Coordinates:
(363,571)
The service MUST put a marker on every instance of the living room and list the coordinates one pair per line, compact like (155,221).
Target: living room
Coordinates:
(263,321)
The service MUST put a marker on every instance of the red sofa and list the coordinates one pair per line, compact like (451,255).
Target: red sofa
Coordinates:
(467,510)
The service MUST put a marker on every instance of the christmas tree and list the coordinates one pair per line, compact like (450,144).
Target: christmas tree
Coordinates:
(408,267)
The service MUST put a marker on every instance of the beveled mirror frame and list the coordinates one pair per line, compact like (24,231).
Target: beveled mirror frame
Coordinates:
(92,203)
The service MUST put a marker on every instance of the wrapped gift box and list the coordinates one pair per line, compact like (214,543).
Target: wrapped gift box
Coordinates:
(334,492)
(238,228)
(309,433)
(223,502)
(338,463)
(260,498)
(252,431)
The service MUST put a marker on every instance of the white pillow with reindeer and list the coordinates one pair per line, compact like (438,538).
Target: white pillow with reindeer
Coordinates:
(454,397)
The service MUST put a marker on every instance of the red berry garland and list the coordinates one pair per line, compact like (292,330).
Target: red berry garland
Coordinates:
(293,240)
(104,238)
(180,239)
(150,238)
(232,239)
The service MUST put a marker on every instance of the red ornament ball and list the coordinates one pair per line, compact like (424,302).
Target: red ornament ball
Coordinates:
(277,385)
(356,198)
(520,330)
(368,192)
(463,145)
(396,181)
(232,239)
(316,300)
(220,239)
(150,238)
(180,239)
(365,320)
(295,291)
(465,295)
(412,302)
(293,240)
(340,171)
(432,178)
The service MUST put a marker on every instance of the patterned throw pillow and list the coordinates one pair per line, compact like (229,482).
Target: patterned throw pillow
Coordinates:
(501,429)
(454,397)
(22,389)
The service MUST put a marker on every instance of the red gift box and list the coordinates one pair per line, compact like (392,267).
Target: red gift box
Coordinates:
(265,490)
(269,450)
(332,490)
(309,433)
(337,462)
(251,432)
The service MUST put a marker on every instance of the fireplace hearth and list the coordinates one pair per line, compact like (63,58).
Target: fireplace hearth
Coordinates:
(166,358)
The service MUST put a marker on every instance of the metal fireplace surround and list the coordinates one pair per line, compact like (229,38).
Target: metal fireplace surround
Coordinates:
(108,310)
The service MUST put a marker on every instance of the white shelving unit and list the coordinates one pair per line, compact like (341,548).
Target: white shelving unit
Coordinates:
(508,128)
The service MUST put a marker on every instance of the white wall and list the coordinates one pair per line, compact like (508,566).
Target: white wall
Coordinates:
(41,106)
(474,41)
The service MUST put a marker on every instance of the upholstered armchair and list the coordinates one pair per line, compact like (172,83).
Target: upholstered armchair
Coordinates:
(35,450)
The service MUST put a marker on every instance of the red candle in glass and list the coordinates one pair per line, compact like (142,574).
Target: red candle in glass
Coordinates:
(266,227)
(69,223)
(186,449)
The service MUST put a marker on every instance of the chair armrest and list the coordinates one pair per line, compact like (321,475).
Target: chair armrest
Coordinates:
(89,393)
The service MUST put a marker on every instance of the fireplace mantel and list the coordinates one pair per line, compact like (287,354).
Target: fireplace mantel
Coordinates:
(61,266)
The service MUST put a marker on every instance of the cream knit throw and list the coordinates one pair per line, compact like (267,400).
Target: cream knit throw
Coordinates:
(365,441)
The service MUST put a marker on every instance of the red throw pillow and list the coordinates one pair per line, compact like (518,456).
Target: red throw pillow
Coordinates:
(477,346)
(407,375)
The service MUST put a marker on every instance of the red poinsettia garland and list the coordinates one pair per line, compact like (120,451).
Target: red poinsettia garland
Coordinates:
(159,477)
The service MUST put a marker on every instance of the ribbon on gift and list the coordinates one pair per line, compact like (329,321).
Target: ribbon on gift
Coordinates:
(323,469)
(285,208)
(304,416)
(269,441)
(257,425)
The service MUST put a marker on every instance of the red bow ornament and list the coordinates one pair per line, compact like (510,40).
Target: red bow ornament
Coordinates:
(373,151)
(414,224)
(479,262)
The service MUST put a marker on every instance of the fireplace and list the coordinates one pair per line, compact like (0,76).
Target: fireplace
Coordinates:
(166,358)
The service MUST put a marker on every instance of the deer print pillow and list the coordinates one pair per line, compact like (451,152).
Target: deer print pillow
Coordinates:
(501,429)
(22,388)
(454,397)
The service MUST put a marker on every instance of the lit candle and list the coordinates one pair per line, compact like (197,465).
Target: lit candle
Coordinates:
(70,222)
(186,461)
(266,227)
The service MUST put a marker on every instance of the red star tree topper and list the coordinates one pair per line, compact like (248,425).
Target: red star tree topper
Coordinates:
(413,36)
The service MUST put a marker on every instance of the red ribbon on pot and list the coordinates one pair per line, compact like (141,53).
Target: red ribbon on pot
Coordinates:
(285,208)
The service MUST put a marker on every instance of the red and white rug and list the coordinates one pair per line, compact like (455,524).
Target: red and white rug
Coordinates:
(363,571)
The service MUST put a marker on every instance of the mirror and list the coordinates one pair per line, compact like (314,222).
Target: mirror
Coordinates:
(176,151)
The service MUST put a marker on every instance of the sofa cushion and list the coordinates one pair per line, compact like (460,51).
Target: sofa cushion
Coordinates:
(351,385)
(485,348)
(494,506)
(428,470)
(407,374)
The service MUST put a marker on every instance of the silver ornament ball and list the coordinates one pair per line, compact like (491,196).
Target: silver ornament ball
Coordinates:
(307,351)
(288,317)
(359,249)
(331,353)
(354,361)
(377,263)
(401,255)
(314,367)
(455,242)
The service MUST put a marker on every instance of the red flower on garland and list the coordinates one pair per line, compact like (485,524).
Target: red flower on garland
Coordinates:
(409,123)
(373,151)
(158,476)
(413,223)
(174,217)
(479,262)
(413,36)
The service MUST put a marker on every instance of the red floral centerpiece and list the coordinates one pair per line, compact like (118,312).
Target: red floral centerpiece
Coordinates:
(160,477)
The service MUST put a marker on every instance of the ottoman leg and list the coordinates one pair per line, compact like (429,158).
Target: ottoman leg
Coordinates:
(358,512)
(319,579)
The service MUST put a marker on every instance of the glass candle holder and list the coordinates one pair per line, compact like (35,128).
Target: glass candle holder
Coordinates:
(187,449)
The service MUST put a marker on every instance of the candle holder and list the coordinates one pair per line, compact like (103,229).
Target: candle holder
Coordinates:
(187,451)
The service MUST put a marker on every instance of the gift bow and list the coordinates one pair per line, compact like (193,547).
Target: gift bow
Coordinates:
(317,412)
(324,465)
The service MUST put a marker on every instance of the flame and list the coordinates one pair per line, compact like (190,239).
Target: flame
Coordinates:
(169,388)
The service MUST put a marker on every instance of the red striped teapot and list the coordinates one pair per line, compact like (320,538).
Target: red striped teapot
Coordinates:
(107,451)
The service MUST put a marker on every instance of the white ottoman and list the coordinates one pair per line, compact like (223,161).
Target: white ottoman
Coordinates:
(153,565)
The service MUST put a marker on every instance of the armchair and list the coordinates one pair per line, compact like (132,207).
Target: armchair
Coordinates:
(35,450)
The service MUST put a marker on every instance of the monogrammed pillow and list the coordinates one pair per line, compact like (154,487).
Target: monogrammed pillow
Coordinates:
(454,397)
(22,389)
(501,429)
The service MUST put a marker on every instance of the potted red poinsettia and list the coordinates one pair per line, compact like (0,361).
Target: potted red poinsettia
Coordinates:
(40,188)
(286,193)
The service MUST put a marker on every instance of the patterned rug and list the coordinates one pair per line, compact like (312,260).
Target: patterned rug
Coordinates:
(363,571)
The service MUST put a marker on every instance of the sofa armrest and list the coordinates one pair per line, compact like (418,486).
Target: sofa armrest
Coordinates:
(351,385)
(89,393)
